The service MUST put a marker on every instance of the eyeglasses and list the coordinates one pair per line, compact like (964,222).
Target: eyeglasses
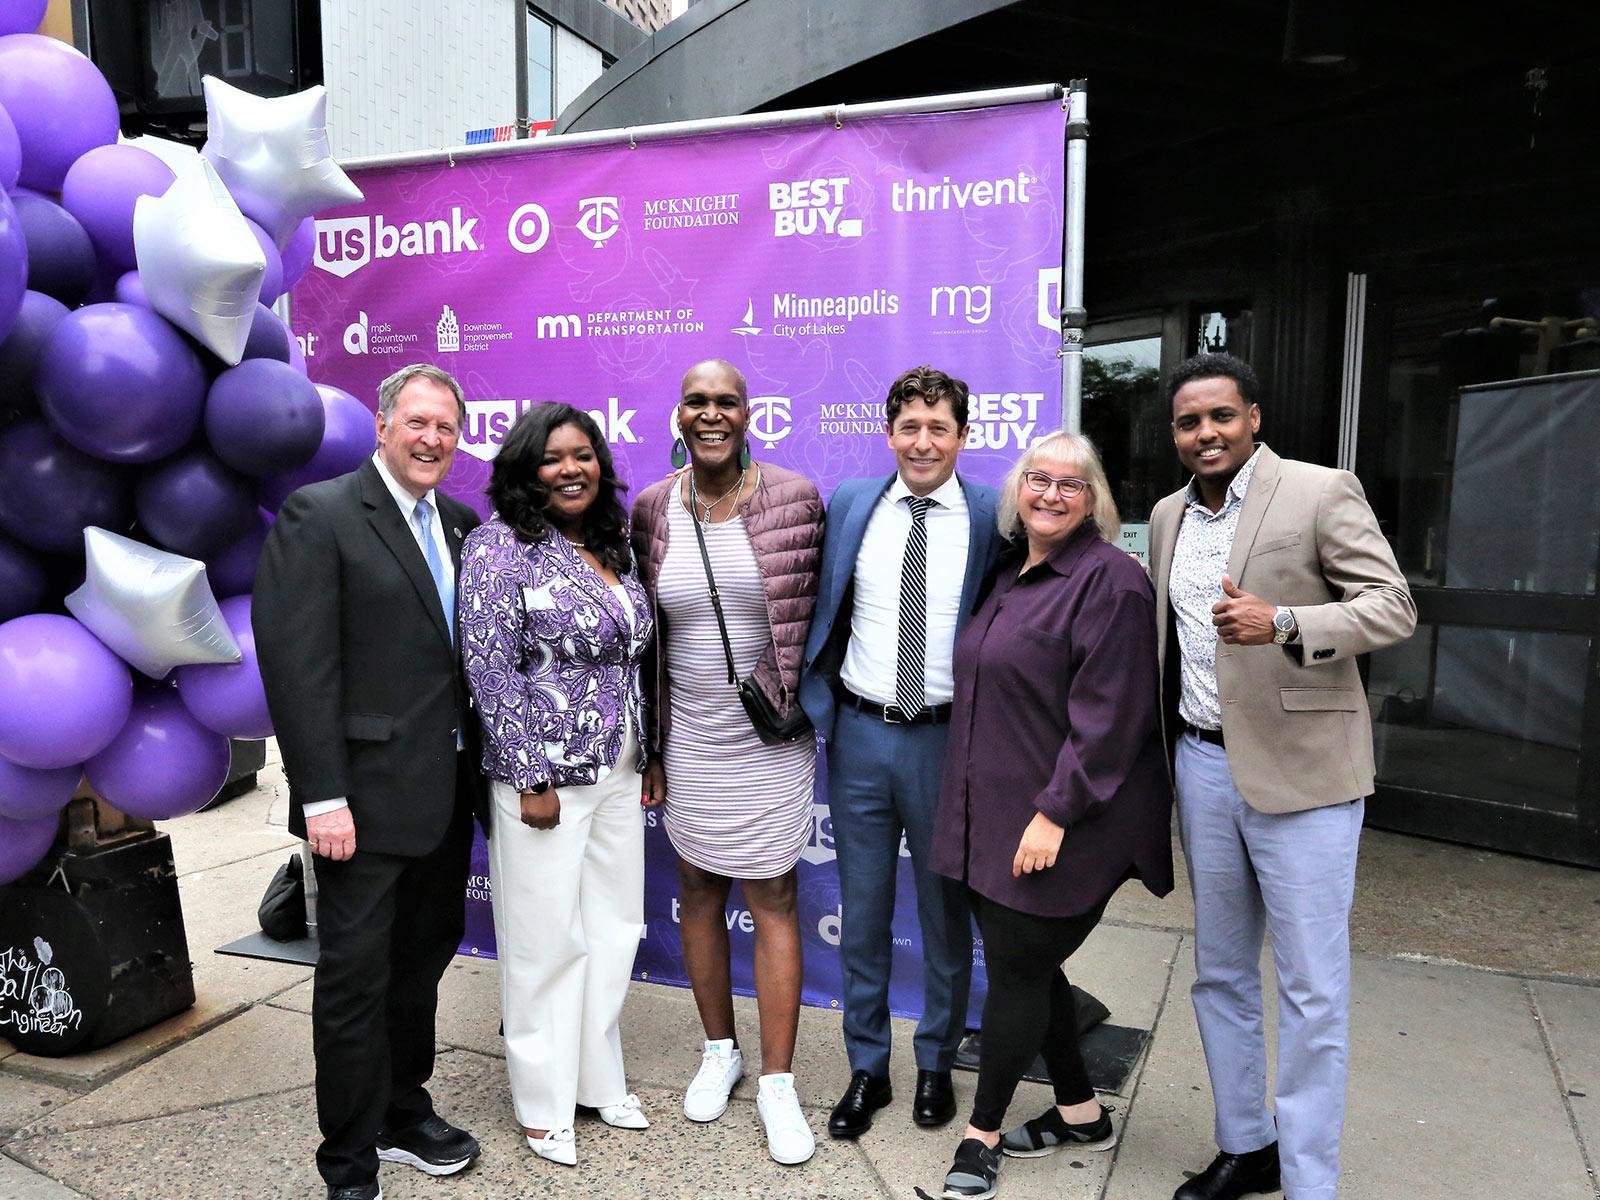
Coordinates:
(1067,485)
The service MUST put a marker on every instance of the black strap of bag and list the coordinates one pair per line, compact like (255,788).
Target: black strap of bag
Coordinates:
(773,728)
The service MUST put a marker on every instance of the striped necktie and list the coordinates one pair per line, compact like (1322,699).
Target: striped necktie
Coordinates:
(910,654)
(422,516)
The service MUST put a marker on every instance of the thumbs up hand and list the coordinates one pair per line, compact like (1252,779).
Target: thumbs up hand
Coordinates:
(1242,619)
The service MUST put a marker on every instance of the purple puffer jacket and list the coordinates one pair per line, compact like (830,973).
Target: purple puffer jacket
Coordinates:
(784,520)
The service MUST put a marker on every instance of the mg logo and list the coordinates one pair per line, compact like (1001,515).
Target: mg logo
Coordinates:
(769,419)
(529,228)
(601,218)
(488,421)
(1050,308)
(973,302)
(344,246)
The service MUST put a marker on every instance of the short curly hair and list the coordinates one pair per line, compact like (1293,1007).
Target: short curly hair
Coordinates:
(521,498)
(933,386)
(1216,366)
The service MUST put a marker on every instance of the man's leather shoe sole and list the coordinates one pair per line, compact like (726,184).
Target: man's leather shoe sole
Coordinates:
(852,1116)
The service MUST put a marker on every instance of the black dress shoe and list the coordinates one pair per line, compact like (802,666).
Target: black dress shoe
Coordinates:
(356,1191)
(936,1099)
(852,1116)
(1232,1175)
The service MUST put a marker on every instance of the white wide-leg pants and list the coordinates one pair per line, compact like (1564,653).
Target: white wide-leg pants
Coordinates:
(568,915)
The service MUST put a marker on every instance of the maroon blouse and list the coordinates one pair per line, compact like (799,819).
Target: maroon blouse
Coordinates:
(1055,711)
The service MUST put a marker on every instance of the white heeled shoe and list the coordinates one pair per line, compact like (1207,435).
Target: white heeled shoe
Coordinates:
(624,1114)
(559,1146)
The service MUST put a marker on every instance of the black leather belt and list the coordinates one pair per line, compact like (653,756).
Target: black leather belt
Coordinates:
(1214,736)
(933,714)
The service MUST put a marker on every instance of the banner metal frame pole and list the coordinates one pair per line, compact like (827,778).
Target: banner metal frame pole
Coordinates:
(1073,316)
(838,114)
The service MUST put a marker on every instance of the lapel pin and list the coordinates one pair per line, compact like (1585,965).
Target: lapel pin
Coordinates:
(456,529)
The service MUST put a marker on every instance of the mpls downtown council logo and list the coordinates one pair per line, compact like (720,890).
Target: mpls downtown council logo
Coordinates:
(770,420)
(346,244)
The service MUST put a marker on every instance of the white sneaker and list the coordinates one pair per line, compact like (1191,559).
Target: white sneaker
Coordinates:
(624,1115)
(559,1146)
(720,1068)
(789,1139)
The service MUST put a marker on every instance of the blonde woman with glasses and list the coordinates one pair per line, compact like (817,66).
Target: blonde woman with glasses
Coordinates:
(1058,665)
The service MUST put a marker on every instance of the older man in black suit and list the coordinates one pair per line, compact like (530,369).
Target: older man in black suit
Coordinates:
(355,625)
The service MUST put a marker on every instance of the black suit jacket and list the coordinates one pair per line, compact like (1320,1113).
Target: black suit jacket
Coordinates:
(364,685)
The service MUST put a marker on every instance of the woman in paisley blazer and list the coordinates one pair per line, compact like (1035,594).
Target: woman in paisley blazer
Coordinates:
(554,623)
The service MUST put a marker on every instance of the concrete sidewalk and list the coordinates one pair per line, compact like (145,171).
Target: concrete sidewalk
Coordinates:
(1465,1081)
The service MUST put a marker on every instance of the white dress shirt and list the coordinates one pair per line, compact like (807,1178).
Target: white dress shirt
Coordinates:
(869,659)
(408,508)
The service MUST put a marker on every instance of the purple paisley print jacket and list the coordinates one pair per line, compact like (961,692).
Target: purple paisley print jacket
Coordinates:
(551,656)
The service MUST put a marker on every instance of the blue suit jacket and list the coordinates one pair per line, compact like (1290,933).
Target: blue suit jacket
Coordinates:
(848,512)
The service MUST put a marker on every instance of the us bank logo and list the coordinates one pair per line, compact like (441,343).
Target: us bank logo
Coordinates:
(601,219)
(819,848)
(346,244)
(488,422)
(770,420)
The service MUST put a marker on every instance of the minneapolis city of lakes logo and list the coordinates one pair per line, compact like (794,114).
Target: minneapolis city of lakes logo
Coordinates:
(346,244)
(825,315)
(770,420)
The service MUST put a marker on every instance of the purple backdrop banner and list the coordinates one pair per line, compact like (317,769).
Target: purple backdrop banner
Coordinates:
(821,261)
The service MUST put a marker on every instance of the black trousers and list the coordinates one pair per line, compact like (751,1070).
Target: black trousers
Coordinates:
(388,927)
(1029,1009)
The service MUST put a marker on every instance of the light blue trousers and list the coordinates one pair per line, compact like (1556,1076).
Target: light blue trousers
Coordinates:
(1292,873)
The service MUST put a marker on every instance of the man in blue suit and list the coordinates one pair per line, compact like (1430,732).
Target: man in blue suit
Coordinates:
(901,567)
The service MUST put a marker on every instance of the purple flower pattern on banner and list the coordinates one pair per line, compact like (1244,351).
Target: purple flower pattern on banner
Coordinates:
(552,657)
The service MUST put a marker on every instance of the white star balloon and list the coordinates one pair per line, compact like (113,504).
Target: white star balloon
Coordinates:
(153,609)
(274,156)
(200,265)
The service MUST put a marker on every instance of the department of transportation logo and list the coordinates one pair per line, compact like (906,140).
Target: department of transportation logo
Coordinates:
(601,218)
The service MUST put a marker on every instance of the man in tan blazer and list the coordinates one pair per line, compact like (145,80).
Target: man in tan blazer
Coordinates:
(1271,577)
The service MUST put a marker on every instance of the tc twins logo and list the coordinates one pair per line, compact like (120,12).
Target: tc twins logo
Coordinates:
(601,219)
(769,420)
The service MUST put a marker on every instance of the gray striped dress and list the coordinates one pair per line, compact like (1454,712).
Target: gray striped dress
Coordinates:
(734,807)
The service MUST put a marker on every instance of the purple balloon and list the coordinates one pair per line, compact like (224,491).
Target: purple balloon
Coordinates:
(118,381)
(23,844)
(228,698)
(130,290)
(272,281)
(348,440)
(194,505)
(232,570)
(13,264)
(101,189)
(297,357)
(10,153)
(269,337)
(264,418)
(63,695)
(60,256)
(297,255)
(49,490)
(19,352)
(21,16)
(163,763)
(24,584)
(27,795)
(60,103)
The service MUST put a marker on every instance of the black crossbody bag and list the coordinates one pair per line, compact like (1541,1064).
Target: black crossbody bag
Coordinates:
(773,728)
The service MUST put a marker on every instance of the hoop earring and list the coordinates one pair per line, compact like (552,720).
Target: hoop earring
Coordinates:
(680,455)
(744,457)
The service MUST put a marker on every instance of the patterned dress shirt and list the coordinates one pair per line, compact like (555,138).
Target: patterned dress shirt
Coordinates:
(1199,561)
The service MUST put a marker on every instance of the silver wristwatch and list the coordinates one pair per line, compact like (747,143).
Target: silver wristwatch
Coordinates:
(1283,625)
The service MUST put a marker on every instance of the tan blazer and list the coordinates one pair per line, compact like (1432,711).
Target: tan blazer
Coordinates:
(1295,718)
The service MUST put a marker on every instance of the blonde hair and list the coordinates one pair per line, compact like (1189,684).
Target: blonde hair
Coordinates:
(1077,451)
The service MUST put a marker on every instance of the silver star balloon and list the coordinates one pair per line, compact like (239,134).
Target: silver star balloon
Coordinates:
(153,609)
(200,265)
(274,155)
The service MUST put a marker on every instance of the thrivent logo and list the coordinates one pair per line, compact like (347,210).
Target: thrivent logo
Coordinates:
(346,244)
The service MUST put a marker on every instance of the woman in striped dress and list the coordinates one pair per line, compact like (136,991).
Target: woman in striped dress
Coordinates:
(735,807)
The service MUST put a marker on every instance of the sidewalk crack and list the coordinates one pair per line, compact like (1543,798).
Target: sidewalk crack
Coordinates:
(1562,1091)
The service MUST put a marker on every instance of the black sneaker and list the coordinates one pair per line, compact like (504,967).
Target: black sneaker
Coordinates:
(356,1191)
(1049,1131)
(972,1176)
(436,1147)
